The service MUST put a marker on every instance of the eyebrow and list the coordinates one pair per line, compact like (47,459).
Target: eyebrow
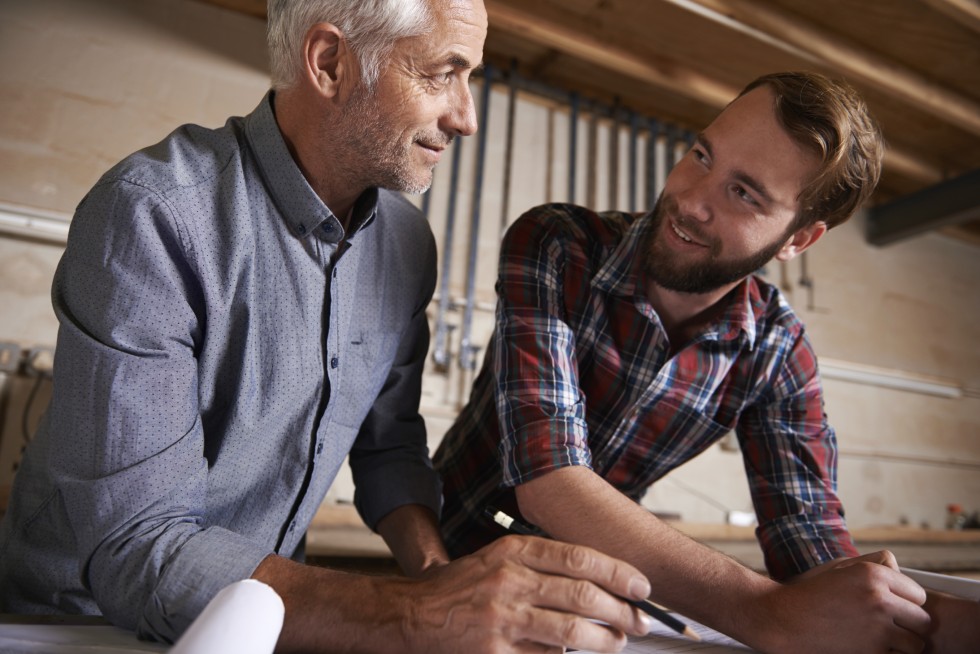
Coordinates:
(741,176)
(459,61)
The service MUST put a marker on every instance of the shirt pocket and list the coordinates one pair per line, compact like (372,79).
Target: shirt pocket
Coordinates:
(369,361)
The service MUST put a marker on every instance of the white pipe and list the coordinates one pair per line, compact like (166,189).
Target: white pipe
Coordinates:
(893,379)
(34,223)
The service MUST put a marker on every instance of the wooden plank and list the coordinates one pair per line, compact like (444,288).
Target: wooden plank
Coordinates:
(255,8)
(953,202)
(964,12)
(853,60)
(657,70)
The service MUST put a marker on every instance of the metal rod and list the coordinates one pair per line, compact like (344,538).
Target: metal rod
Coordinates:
(509,147)
(634,164)
(614,159)
(572,145)
(650,199)
(592,162)
(549,194)
(672,136)
(440,350)
(467,351)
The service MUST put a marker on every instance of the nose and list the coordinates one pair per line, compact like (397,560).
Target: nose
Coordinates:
(691,189)
(694,200)
(460,117)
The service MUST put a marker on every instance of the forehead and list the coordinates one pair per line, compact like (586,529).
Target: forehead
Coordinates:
(748,136)
(456,26)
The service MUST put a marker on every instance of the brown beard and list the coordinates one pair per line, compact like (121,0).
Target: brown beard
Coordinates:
(703,277)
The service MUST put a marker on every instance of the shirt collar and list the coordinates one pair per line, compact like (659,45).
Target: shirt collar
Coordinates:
(740,318)
(301,208)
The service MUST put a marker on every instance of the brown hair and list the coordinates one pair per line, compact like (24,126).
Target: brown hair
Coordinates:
(829,118)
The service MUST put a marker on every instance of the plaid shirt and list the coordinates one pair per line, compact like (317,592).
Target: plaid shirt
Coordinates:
(580,372)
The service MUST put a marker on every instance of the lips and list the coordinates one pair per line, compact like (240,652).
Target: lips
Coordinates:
(684,235)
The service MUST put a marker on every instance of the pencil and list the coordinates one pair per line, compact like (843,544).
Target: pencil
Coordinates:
(648,607)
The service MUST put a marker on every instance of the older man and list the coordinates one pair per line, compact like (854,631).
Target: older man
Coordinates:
(627,345)
(241,308)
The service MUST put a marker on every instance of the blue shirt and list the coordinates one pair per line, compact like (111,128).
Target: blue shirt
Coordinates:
(223,345)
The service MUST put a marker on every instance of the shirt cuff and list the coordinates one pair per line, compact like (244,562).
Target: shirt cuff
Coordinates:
(380,491)
(205,564)
(541,447)
(794,544)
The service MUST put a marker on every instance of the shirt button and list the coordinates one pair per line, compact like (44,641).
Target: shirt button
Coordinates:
(334,362)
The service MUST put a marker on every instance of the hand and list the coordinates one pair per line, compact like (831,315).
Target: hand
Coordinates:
(524,594)
(861,605)
(955,625)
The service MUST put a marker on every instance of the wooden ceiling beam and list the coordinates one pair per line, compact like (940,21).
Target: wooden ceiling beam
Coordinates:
(255,8)
(950,203)
(655,70)
(850,59)
(964,12)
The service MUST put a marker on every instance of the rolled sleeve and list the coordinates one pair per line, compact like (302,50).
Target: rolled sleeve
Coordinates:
(540,404)
(790,456)
(128,442)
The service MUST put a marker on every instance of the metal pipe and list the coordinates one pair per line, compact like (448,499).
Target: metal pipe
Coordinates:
(572,145)
(613,188)
(549,172)
(467,351)
(673,134)
(509,147)
(440,350)
(653,129)
(592,162)
(633,163)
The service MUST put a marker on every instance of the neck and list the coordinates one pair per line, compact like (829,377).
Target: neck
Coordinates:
(684,315)
(314,145)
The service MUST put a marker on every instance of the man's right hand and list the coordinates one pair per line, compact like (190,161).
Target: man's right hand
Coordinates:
(526,594)
(861,605)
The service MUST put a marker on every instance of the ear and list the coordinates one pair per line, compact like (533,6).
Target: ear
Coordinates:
(326,58)
(801,240)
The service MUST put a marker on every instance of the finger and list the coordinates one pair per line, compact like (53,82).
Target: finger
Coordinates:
(585,599)
(575,561)
(906,588)
(912,618)
(555,628)
(883,557)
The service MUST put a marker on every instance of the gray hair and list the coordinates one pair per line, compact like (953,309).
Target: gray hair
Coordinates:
(370,27)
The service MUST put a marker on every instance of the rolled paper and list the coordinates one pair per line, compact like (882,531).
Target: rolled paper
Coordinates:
(243,618)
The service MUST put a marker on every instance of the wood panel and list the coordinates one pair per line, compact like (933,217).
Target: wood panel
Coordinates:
(917,62)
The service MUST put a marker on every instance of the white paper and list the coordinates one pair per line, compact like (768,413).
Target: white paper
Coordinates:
(664,639)
(968,588)
(244,618)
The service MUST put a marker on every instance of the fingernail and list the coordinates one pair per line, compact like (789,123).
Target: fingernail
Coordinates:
(646,621)
(639,588)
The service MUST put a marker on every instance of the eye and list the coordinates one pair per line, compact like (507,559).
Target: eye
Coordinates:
(699,155)
(743,194)
(441,79)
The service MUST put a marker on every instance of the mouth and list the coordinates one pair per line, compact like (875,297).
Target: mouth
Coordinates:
(684,236)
